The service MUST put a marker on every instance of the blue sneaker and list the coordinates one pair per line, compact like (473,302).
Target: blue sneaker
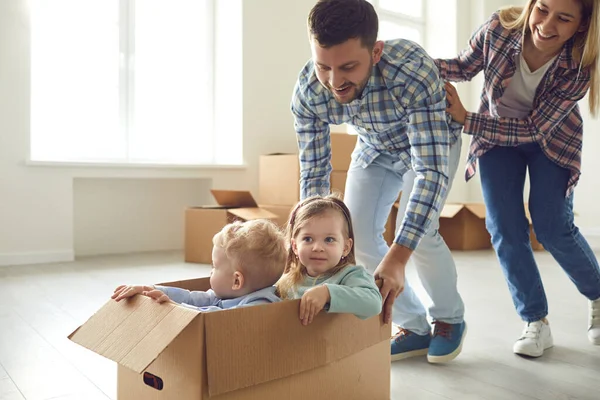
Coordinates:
(447,341)
(407,344)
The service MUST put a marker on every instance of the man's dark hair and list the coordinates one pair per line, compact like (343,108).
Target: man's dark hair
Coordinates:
(332,22)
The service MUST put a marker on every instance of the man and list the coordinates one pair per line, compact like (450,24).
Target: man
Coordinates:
(392,95)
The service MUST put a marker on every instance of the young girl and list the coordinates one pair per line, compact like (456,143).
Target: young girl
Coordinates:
(320,266)
(538,61)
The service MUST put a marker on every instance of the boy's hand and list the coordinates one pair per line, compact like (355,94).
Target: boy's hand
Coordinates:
(125,291)
(312,302)
(158,296)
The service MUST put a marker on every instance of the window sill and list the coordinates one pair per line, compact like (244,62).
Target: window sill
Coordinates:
(76,164)
(138,170)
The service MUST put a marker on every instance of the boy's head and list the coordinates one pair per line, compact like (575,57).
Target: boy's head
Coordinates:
(247,256)
(343,41)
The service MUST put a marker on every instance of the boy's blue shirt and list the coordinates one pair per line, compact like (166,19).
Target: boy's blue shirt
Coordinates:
(208,301)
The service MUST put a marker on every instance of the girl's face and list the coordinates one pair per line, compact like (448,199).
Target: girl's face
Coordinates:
(554,22)
(320,243)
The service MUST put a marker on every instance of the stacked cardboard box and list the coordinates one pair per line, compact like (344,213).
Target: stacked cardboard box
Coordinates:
(279,176)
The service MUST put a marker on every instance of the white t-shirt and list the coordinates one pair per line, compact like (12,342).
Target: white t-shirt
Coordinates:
(517,100)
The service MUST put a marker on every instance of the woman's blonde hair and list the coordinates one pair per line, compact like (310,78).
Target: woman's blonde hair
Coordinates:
(586,44)
(312,207)
(257,248)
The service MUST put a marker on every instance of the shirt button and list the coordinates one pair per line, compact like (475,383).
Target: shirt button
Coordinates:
(390,148)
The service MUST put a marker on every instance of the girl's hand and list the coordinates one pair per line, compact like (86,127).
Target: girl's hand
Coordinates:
(312,303)
(455,107)
(125,291)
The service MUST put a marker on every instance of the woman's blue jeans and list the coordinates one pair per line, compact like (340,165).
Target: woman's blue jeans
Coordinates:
(503,178)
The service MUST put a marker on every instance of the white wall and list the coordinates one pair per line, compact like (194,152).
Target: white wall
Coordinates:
(51,213)
(37,217)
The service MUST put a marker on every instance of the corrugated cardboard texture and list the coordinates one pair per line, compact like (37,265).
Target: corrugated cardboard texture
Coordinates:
(274,344)
(201,224)
(133,332)
(390,226)
(342,146)
(337,181)
(249,214)
(282,213)
(279,179)
(362,376)
(181,367)
(462,228)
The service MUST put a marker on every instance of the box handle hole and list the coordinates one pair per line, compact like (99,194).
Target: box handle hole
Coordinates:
(153,381)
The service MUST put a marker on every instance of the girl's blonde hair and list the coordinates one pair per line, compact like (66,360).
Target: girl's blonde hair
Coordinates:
(586,44)
(257,248)
(312,207)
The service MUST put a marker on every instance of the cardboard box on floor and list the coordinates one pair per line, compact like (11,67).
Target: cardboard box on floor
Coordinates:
(462,225)
(279,174)
(166,352)
(202,223)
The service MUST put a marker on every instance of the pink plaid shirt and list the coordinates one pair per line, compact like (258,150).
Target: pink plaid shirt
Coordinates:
(555,122)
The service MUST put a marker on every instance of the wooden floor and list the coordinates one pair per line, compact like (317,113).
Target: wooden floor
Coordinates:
(40,305)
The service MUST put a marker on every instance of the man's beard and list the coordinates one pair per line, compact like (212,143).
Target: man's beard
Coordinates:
(358,88)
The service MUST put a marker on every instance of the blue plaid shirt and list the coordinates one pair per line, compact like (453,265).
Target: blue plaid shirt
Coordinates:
(401,113)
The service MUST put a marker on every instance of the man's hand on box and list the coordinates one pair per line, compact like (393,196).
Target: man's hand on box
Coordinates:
(125,291)
(312,302)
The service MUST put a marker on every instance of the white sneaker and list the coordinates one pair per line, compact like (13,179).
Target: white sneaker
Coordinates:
(594,322)
(536,338)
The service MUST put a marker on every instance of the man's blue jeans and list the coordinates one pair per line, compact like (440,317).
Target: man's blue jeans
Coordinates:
(370,194)
(502,172)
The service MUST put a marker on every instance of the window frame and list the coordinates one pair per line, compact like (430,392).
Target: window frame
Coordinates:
(418,23)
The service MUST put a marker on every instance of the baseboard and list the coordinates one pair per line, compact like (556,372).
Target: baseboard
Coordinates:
(36,257)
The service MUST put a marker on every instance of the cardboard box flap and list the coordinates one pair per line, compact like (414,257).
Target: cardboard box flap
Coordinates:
(477,209)
(234,198)
(253,345)
(133,332)
(249,214)
(450,210)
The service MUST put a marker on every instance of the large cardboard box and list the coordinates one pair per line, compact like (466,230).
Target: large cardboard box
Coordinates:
(462,226)
(167,352)
(202,223)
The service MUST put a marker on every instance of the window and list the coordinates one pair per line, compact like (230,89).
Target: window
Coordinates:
(122,81)
(401,19)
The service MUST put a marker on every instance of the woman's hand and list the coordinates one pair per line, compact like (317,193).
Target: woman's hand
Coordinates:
(455,107)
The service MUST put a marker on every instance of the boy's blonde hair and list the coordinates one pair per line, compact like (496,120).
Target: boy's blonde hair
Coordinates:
(586,46)
(257,248)
(302,213)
